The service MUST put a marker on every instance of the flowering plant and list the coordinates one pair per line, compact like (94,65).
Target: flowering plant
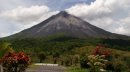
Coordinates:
(15,62)
(96,62)
(100,50)
(98,59)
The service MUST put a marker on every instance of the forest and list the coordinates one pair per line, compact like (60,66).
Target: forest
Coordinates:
(69,51)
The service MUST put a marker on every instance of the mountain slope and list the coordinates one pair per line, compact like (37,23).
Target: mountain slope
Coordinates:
(69,25)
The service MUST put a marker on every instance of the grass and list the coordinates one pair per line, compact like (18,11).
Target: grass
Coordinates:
(32,67)
(76,69)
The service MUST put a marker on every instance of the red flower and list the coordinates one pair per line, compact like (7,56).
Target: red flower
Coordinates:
(100,50)
(16,58)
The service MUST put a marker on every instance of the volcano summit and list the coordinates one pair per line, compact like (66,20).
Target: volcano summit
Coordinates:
(69,25)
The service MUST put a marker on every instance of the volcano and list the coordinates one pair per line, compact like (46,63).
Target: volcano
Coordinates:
(68,25)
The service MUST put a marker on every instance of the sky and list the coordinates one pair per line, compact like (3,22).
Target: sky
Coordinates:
(110,15)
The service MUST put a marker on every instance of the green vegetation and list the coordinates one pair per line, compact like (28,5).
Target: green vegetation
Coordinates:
(4,48)
(41,56)
(72,52)
(76,69)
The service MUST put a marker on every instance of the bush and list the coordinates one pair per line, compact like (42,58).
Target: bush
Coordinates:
(15,62)
(96,63)
(97,60)
(119,66)
(100,50)
(115,66)
(83,62)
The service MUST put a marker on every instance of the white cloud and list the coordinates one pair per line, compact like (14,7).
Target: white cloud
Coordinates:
(111,15)
(23,17)
(7,28)
(120,29)
(4,34)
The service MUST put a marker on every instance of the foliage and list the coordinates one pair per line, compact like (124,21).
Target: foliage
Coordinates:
(96,62)
(63,49)
(41,56)
(103,59)
(117,44)
(77,69)
(115,66)
(15,62)
(100,50)
(5,47)
(83,62)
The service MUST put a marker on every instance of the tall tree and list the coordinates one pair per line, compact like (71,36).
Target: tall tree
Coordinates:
(41,56)
(4,48)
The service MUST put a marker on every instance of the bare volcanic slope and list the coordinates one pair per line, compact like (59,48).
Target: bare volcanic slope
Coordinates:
(69,25)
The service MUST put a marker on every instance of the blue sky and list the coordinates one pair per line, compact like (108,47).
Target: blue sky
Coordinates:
(111,15)
(53,4)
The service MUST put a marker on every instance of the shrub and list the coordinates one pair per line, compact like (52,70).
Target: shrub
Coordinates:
(83,62)
(109,66)
(115,66)
(96,63)
(97,60)
(15,62)
(119,66)
(100,50)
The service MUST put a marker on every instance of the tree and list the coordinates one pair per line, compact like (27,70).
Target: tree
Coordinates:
(42,56)
(55,55)
(5,48)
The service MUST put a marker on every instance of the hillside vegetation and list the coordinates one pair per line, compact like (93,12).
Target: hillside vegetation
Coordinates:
(69,51)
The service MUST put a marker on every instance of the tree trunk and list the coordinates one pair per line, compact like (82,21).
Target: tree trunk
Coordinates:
(1,68)
(16,68)
(40,60)
(55,61)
